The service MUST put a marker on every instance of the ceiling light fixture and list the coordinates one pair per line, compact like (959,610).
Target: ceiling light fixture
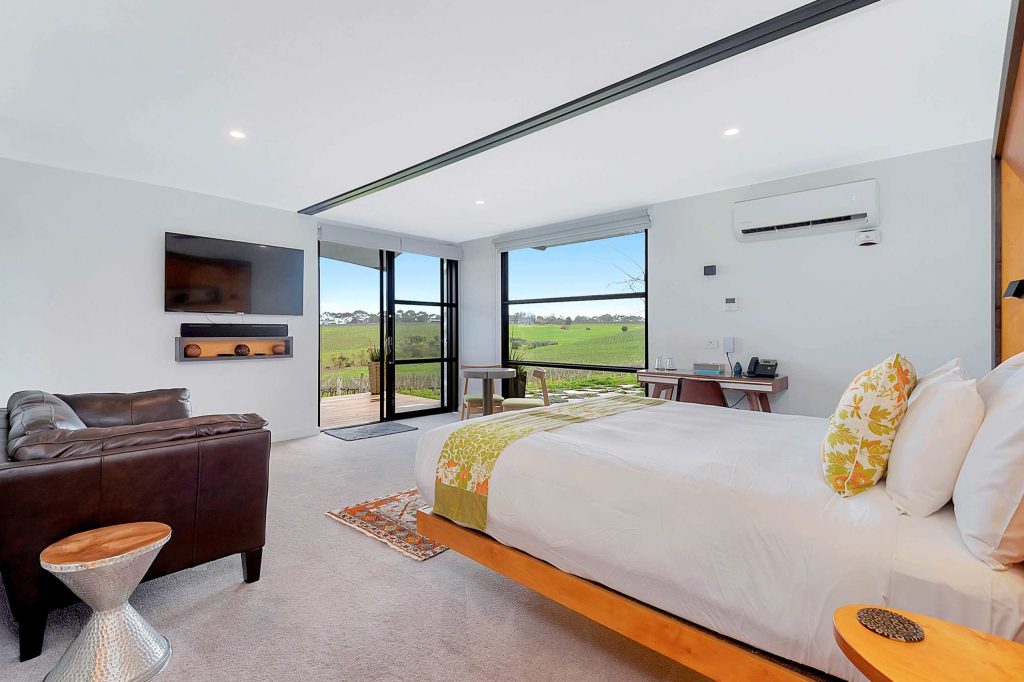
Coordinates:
(729,132)
(479,202)
(237,134)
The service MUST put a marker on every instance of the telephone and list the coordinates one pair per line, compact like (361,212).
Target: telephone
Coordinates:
(762,368)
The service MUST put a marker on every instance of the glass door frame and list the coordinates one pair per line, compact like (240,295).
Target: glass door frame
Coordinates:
(448,282)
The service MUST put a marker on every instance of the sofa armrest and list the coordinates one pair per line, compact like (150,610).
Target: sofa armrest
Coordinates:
(63,443)
(4,430)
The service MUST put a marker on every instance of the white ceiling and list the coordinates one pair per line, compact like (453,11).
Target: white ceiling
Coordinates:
(334,94)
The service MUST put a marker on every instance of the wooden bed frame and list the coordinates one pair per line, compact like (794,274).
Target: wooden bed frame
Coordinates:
(691,645)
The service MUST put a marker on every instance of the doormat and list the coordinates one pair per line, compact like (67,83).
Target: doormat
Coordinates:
(369,430)
(392,520)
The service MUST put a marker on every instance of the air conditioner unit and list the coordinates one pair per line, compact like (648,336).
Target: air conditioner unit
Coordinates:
(852,206)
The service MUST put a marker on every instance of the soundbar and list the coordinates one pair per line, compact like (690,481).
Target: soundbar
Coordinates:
(240,330)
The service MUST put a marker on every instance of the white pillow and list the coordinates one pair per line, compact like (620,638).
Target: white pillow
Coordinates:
(994,380)
(952,367)
(943,416)
(988,497)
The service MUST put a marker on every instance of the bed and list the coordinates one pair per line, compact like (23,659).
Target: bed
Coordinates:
(722,518)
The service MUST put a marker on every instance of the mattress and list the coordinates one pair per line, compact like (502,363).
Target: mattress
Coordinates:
(722,517)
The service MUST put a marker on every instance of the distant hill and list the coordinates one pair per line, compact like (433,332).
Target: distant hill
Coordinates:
(363,317)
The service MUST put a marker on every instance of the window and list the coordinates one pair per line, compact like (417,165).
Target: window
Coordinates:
(579,310)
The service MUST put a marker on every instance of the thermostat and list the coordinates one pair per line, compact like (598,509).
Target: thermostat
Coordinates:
(731,304)
(710,270)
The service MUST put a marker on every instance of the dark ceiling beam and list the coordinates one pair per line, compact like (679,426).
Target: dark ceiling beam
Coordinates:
(768,31)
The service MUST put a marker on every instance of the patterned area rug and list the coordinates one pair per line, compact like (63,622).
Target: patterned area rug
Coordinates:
(391,519)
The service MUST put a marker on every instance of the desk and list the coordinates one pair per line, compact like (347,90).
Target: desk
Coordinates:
(947,652)
(757,389)
(488,375)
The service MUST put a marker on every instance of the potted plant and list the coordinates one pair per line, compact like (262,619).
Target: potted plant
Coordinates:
(518,384)
(373,369)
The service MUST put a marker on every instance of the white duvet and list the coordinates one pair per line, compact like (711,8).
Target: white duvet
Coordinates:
(722,517)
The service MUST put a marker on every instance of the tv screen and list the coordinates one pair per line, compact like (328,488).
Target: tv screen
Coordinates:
(204,275)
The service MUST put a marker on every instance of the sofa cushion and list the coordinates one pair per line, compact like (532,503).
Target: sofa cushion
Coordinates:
(32,412)
(121,409)
(55,443)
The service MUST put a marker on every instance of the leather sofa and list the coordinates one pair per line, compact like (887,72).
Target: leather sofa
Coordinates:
(74,462)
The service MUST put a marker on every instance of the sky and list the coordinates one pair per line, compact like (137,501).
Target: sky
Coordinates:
(588,268)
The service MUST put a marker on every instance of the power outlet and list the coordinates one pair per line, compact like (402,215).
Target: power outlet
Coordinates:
(711,344)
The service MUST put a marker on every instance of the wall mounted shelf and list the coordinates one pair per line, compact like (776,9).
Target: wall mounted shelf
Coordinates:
(223,348)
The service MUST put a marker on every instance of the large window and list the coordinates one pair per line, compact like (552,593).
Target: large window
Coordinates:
(579,310)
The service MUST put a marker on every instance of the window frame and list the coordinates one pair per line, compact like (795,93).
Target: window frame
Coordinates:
(506,302)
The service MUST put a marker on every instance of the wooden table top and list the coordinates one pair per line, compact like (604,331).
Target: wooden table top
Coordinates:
(104,543)
(777,384)
(948,651)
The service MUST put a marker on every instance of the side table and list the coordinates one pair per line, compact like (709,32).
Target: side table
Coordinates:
(947,652)
(103,567)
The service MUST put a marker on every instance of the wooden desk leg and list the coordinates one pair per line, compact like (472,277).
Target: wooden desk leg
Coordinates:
(488,396)
(763,399)
(752,402)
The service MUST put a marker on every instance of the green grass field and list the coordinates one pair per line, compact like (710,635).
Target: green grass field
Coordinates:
(343,355)
(591,344)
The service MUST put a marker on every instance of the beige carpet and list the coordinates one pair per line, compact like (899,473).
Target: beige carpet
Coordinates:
(336,605)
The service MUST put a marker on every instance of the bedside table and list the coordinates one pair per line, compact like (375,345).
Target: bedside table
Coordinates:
(948,651)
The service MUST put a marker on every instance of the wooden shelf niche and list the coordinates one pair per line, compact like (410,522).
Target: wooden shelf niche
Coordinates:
(223,347)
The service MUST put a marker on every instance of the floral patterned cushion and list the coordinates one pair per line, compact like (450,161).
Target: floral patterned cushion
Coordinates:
(855,451)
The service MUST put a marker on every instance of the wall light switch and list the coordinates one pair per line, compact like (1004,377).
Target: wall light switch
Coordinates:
(732,304)
(711,344)
(729,344)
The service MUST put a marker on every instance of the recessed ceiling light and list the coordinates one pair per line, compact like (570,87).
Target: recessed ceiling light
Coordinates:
(729,132)
(479,202)
(237,134)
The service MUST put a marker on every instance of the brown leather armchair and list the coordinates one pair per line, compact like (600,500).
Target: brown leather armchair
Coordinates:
(71,463)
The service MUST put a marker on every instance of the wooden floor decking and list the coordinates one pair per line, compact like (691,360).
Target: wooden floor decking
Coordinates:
(363,408)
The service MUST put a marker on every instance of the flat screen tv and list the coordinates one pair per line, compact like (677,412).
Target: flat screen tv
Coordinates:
(204,275)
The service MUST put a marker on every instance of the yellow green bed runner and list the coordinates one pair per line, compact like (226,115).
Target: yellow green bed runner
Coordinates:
(470,453)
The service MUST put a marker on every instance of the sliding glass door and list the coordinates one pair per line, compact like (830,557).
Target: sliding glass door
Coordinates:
(351,335)
(421,347)
(388,346)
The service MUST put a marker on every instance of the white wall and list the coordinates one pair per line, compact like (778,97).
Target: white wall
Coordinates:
(479,311)
(825,308)
(81,294)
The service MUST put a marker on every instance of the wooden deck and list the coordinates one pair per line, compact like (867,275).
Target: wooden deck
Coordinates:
(364,408)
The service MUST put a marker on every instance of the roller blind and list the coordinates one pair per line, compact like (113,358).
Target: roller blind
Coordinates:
(339,233)
(573,231)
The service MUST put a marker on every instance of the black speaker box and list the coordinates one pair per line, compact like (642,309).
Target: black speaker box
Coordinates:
(247,330)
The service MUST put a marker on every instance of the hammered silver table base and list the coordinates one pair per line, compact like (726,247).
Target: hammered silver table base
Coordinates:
(117,644)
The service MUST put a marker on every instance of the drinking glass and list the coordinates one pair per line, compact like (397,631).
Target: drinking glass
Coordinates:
(669,364)
(659,364)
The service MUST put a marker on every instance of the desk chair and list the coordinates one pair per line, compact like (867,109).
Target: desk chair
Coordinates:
(664,391)
(513,404)
(473,403)
(701,392)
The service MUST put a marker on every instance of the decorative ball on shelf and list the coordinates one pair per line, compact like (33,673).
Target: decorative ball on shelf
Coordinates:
(278,349)
(192,350)
(241,349)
